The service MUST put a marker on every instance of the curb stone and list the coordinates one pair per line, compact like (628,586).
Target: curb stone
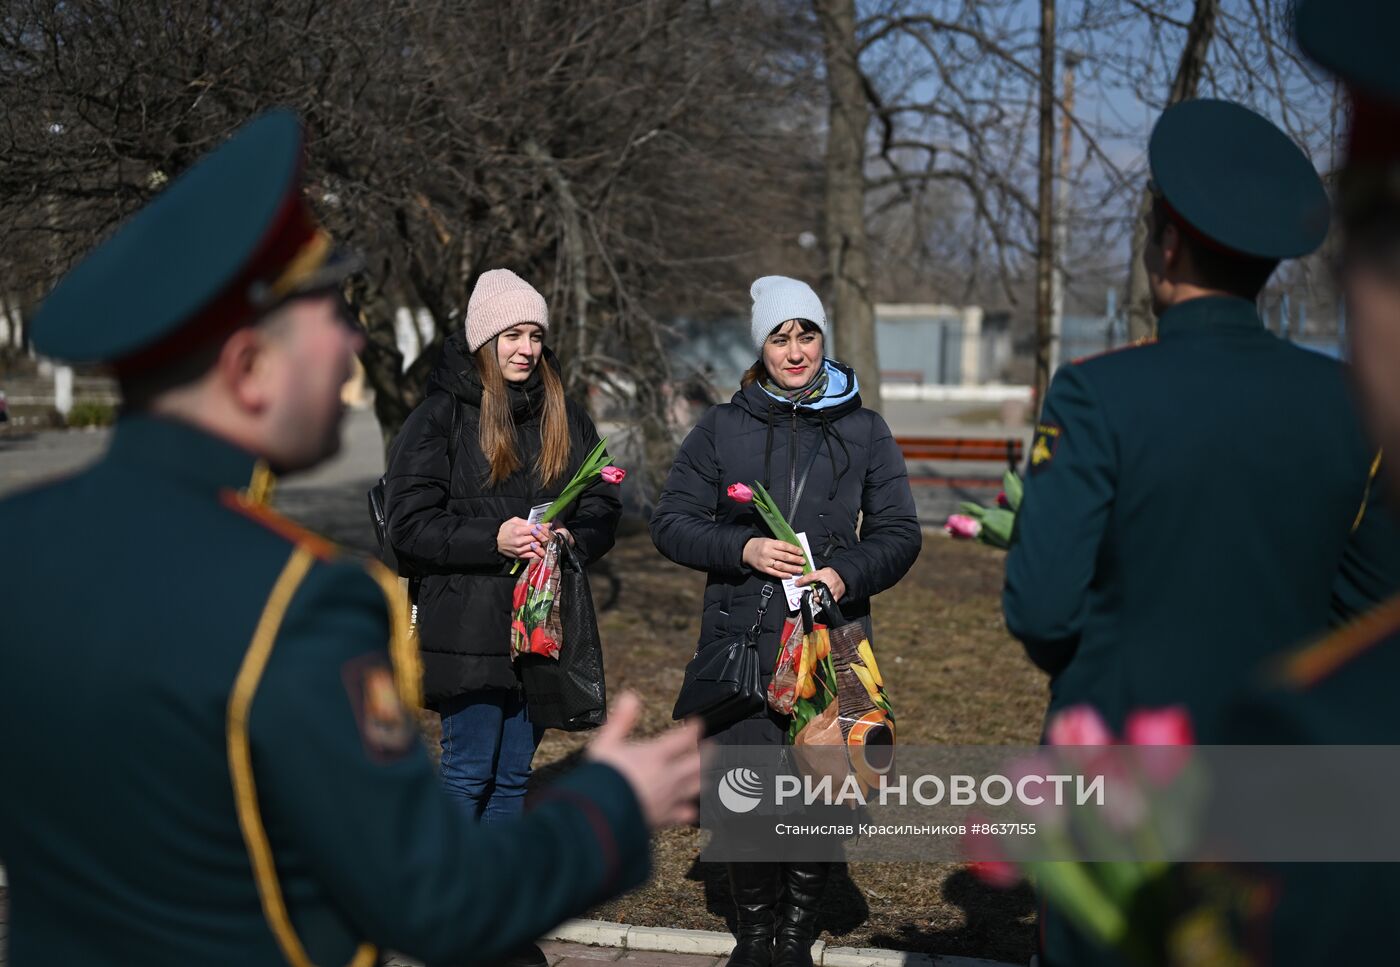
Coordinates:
(675,940)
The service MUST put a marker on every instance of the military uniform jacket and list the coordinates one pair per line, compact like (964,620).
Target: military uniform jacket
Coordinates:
(1187,508)
(207,755)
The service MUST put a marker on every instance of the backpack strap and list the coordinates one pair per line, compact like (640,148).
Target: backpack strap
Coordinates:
(454,439)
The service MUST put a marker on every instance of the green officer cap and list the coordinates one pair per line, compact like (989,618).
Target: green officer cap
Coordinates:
(1355,39)
(1237,181)
(222,244)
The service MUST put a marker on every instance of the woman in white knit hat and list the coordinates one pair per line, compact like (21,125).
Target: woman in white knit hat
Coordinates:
(797,425)
(519,442)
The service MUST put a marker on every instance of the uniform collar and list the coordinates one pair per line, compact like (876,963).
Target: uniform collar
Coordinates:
(1209,314)
(181,451)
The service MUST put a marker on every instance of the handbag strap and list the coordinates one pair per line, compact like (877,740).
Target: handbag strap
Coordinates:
(767,593)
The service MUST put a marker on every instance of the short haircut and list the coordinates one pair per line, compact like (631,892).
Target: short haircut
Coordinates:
(1239,275)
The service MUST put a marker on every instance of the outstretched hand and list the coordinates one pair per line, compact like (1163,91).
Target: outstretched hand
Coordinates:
(664,772)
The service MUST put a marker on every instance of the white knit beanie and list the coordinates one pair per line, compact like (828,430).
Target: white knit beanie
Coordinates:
(502,300)
(776,299)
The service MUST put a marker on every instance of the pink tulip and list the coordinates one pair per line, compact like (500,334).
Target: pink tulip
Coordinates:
(613,475)
(1002,501)
(1159,726)
(1079,725)
(961,525)
(741,493)
(1166,732)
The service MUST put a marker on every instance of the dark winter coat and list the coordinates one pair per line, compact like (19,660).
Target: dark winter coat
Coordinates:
(448,534)
(858,469)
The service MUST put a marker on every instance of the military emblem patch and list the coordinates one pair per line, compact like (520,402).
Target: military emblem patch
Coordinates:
(1047,439)
(386,727)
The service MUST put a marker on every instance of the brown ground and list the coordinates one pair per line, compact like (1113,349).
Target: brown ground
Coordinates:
(955,677)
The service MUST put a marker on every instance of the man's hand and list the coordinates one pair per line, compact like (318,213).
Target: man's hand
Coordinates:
(827,576)
(520,538)
(664,772)
(777,559)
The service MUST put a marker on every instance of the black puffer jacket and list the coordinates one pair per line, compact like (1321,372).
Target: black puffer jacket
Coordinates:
(858,468)
(449,536)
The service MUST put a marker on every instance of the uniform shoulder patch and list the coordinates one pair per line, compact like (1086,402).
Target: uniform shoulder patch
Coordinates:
(1047,439)
(386,727)
(318,546)
(1312,663)
(1135,344)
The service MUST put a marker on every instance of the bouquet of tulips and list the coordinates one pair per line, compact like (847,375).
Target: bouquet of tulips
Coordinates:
(990,525)
(596,466)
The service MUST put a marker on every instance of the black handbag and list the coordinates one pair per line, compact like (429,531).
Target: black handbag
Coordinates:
(569,692)
(723,682)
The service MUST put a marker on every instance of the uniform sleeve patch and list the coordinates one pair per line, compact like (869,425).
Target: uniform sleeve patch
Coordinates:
(386,727)
(1047,439)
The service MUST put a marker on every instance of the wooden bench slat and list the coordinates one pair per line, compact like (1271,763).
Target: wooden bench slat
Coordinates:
(961,448)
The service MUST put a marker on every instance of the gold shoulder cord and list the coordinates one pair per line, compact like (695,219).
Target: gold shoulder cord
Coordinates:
(240,760)
(403,651)
(261,486)
(1366,494)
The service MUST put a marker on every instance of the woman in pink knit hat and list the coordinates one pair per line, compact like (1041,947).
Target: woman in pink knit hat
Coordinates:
(519,442)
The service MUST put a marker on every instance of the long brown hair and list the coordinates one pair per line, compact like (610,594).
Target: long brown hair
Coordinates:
(497,435)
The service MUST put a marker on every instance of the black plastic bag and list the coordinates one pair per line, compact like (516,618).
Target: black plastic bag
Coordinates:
(568,694)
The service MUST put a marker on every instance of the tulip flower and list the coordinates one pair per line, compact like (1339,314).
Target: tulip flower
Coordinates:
(1079,725)
(1002,500)
(595,466)
(867,655)
(961,525)
(1159,726)
(1167,732)
(741,493)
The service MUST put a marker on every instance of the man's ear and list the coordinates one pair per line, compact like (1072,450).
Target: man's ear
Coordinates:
(1172,249)
(241,368)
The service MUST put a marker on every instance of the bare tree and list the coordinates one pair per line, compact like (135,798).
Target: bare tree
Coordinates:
(628,156)
(1045,206)
(848,118)
(1194,52)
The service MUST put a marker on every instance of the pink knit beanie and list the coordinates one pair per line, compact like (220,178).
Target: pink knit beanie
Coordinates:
(501,301)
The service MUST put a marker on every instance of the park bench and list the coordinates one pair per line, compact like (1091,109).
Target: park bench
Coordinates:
(945,449)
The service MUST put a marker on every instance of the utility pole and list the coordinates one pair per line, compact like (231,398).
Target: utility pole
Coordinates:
(1057,297)
(1045,242)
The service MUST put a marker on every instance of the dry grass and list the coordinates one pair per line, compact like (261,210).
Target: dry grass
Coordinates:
(955,676)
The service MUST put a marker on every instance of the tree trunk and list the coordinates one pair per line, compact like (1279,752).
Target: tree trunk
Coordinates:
(1045,241)
(846,239)
(1199,33)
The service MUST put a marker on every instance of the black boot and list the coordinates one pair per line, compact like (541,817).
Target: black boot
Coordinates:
(755,889)
(803,884)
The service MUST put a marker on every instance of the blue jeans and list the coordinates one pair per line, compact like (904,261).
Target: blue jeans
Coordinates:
(488,742)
